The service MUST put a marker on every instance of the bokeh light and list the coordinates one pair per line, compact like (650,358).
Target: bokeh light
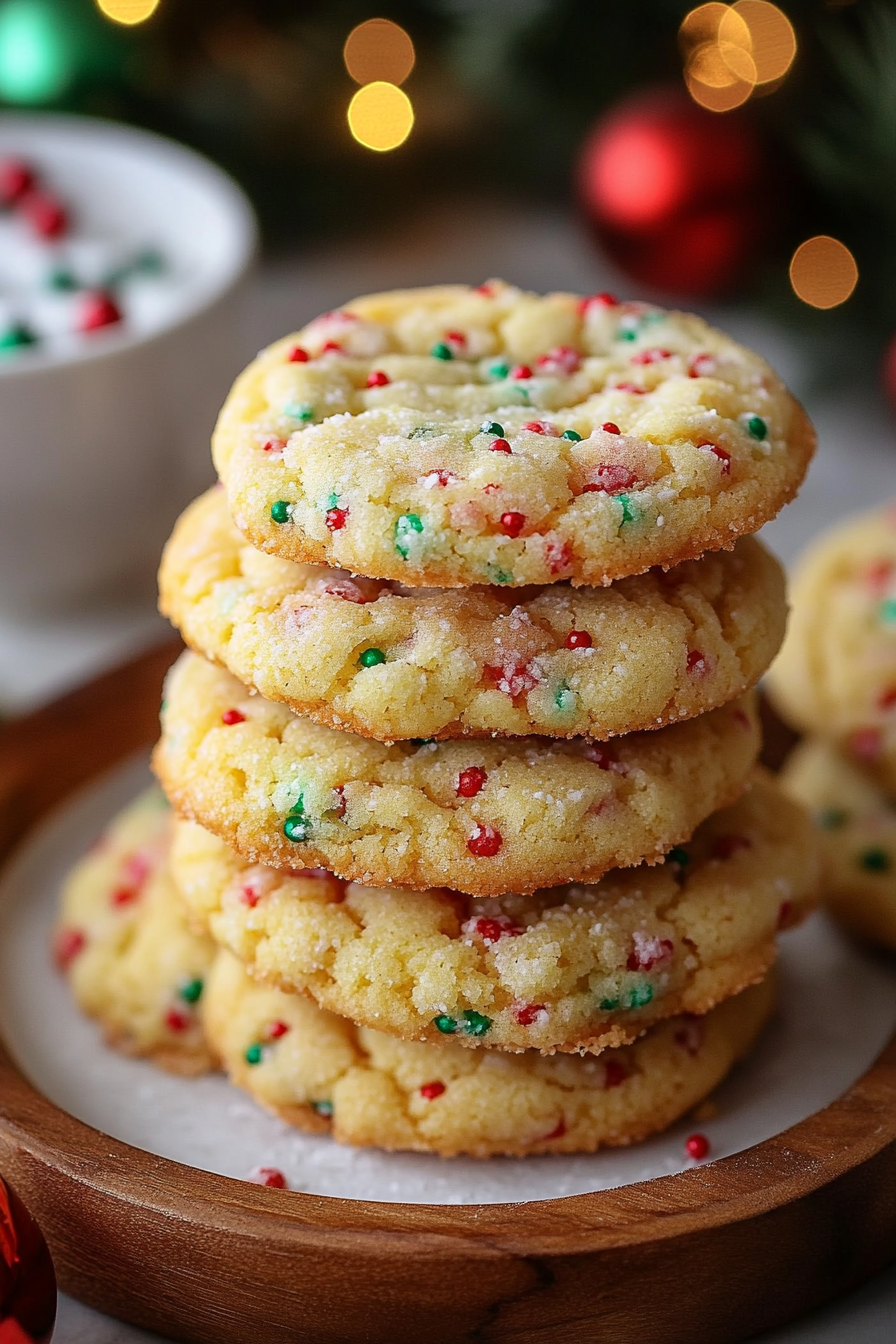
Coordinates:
(730,50)
(380,116)
(128,11)
(772,37)
(35,54)
(823,272)
(378,50)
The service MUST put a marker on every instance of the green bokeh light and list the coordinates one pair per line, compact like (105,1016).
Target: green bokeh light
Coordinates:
(36,58)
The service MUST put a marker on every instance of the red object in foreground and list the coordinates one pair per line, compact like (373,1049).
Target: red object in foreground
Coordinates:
(677,195)
(27,1277)
(269,1176)
(697,1147)
(97,310)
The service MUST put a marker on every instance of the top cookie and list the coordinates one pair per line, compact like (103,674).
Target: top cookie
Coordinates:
(836,672)
(454,436)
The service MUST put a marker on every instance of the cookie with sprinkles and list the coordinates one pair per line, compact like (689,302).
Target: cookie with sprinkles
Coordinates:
(484,816)
(371,1090)
(390,662)
(452,436)
(836,672)
(570,968)
(123,943)
(857,825)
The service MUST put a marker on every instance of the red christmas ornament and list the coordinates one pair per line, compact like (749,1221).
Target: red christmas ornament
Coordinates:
(27,1278)
(888,373)
(678,196)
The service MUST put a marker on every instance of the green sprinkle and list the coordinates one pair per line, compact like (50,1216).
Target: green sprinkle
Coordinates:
(297,828)
(332,500)
(640,996)
(887,611)
(191,991)
(405,528)
(372,658)
(254,1054)
(875,861)
(627,334)
(324,1108)
(756,427)
(445,1024)
(442,350)
(299,410)
(424,431)
(149,262)
(497,372)
(475,1024)
(564,698)
(492,427)
(572,435)
(16,337)
(62,280)
(679,855)
(421,741)
(832,818)
(630,511)
(281,511)
(609,1005)
(496,575)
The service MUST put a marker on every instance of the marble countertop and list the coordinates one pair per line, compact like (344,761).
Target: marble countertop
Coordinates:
(470,241)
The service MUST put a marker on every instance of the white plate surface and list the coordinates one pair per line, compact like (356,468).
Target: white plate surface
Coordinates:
(838,1009)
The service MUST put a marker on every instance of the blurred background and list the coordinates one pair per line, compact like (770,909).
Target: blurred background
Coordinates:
(738,159)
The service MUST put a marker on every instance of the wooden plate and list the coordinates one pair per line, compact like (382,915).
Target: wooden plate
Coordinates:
(710,1255)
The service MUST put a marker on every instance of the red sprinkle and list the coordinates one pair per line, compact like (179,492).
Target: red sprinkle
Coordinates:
(336,519)
(521,371)
(690,1035)
(865,743)
(269,1176)
(339,809)
(46,215)
(67,944)
(558,556)
(249,896)
(557,1132)
(728,845)
(487,289)
(97,310)
(562,359)
(429,1091)
(599,756)
(16,179)
(649,952)
(696,661)
(232,716)
(331,348)
(721,453)
(785,915)
(512,679)
(274,1030)
(579,639)
(471,781)
(512,524)
(697,1147)
(701,366)
(378,379)
(878,574)
(493,930)
(527,1013)
(175,1020)
(610,427)
(485,842)
(630,387)
(500,446)
(651,356)
(603,300)
(298,355)
(542,427)
(125,896)
(612,480)
(491,488)
(615,1073)
(350,591)
(887,699)
(274,446)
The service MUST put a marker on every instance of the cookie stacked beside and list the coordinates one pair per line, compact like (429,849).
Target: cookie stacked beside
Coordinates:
(835,681)
(488,786)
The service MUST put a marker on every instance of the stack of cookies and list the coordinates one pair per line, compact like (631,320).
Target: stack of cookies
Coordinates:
(835,681)
(463,758)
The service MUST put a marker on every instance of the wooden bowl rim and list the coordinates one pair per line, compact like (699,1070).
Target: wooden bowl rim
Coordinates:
(758,1180)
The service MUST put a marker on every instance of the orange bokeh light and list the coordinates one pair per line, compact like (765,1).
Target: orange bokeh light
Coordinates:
(731,50)
(823,272)
(378,50)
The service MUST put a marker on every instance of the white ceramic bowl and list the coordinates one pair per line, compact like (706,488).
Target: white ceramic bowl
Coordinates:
(102,443)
